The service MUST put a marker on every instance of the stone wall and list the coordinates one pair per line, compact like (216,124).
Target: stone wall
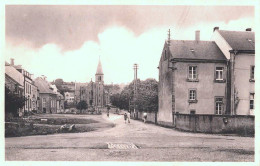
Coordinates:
(237,124)
(151,116)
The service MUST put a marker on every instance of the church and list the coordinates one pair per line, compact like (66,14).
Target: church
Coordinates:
(93,92)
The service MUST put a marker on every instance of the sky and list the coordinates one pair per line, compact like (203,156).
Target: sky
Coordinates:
(68,41)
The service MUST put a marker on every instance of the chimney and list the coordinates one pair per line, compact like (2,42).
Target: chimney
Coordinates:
(248,29)
(215,28)
(197,35)
(43,77)
(12,61)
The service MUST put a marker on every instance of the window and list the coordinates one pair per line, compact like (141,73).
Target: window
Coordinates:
(252,96)
(192,112)
(219,105)
(192,95)
(16,88)
(192,73)
(252,74)
(219,73)
(44,102)
(165,55)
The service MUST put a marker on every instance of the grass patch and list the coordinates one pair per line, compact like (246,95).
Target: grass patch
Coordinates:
(50,124)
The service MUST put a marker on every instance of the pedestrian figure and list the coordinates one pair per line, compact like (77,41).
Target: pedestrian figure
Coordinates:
(144,117)
(125,117)
(108,108)
(128,117)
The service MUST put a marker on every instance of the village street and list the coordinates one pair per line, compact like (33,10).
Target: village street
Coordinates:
(139,142)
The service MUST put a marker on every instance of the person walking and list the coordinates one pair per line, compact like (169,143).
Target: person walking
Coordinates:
(108,108)
(125,117)
(144,117)
(128,117)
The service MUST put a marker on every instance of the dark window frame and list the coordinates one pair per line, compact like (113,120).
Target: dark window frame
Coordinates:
(220,101)
(192,100)
(252,73)
(252,101)
(192,111)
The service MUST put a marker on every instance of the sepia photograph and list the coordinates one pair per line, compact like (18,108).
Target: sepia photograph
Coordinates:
(129,83)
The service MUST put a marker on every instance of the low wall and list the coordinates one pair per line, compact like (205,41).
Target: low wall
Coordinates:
(238,124)
(151,116)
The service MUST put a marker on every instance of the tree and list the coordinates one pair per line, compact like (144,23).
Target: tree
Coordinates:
(115,99)
(82,105)
(13,102)
(146,99)
(147,96)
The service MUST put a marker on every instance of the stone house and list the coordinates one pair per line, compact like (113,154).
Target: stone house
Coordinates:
(60,98)
(14,81)
(30,89)
(203,77)
(192,79)
(48,98)
(69,97)
(239,49)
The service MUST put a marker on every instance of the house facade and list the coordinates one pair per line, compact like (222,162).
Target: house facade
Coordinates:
(207,77)
(60,98)
(48,98)
(14,81)
(30,89)
(239,49)
(192,79)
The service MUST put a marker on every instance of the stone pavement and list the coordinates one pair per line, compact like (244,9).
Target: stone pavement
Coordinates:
(135,141)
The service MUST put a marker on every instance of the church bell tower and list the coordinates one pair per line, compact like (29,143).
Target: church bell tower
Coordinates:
(99,86)
(99,73)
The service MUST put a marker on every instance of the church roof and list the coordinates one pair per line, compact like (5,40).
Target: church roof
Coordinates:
(99,69)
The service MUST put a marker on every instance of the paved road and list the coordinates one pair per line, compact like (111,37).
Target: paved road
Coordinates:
(133,141)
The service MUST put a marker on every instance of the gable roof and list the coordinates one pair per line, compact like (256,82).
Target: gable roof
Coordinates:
(43,86)
(239,40)
(14,74)
(199,50)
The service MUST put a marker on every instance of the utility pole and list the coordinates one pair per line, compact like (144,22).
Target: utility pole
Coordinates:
(135,89)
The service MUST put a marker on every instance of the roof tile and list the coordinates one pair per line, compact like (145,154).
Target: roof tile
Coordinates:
(192,49)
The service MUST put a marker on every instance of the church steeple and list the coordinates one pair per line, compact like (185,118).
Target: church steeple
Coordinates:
(99,69)
(99,73)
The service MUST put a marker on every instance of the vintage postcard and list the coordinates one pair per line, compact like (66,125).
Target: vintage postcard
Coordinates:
(136,83)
